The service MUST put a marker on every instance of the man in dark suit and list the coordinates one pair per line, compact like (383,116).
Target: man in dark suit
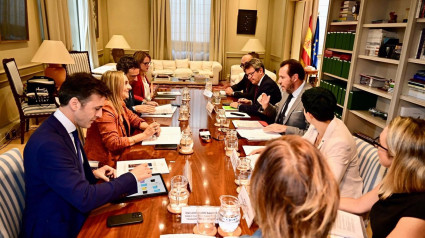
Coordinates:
(61,188)
(244,88)
(254,69)
(288,114)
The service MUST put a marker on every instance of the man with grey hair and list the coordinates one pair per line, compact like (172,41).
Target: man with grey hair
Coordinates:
(254,70)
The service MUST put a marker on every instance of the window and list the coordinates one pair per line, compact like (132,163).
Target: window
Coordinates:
(190,29)
(323,15)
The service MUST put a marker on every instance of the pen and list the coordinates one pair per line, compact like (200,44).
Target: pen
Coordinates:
(237,114)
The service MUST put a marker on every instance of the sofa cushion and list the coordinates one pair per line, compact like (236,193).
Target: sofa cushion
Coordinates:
(183,73)
(206,72)
(157,65)
(184,63)
(163,72)
(207,65)
(169,64)
(195,65)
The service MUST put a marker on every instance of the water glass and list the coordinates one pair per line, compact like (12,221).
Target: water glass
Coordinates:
(178,195)
(184,112)
(208,83)
(216,97)
(206,220)
(186,141)
(229,214)
(243,171)
(231,142)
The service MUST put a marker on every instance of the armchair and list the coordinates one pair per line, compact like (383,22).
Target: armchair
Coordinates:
(82,63)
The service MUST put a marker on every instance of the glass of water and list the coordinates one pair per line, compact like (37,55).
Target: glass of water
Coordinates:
(229,214)
(243,171)
(206,221)
(178,195)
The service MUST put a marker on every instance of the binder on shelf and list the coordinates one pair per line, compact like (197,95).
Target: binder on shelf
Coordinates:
(361,100)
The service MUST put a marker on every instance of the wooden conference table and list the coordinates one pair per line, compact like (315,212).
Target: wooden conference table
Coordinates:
(212,174)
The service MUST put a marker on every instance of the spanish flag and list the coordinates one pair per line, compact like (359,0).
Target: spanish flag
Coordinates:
(306,51)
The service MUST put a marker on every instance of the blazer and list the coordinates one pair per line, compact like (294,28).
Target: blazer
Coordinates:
(295,120)
(138,89)
(58,198)
(267,86)
(244,89)
(339,148)
(108,137)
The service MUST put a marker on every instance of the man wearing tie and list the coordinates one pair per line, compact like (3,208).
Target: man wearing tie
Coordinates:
(262,83)
(61,189)
(288,114)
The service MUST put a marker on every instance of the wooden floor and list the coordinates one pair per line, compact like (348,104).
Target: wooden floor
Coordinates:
(16,143)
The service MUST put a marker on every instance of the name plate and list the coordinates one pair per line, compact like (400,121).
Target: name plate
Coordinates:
(208,93)
(246,205)
(234,159)
(187,172)
(190,213)
(210,107)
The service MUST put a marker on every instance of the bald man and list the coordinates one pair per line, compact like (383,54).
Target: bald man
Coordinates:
(244,88)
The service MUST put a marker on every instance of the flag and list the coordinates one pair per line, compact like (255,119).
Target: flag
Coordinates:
(306,51)
(315,51)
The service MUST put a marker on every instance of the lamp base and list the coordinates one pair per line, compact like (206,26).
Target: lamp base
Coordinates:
(117,54)
(57,73)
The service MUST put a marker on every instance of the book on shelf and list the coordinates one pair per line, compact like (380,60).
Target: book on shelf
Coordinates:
(375,37)
(421,44)
(419,8)
(415,84)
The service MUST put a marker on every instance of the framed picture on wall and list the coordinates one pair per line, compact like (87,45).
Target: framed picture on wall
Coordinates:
(95,15)
(247,22)
(13,21)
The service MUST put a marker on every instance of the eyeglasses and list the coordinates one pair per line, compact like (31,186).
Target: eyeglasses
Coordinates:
(147,63)
(249,75)
(377,144)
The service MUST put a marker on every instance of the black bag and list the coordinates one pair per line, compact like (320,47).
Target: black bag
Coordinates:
(40,90)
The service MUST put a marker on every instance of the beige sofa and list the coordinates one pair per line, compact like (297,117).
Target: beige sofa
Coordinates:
(185,68)
(236,74)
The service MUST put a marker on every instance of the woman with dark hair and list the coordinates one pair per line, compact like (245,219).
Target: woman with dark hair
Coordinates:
(143,93)
(333,139)
(397,205)
(293,191)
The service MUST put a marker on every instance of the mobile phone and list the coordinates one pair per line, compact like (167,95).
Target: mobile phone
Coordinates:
(166,147)
(205,135)
(124,219)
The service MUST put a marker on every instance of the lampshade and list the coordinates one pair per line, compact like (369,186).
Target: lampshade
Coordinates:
(117,42)
(253,45)
(52,52)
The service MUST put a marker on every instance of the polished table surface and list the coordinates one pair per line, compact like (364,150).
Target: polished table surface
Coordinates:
(212,174)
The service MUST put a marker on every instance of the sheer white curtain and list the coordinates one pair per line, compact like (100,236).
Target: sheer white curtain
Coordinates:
(82,28)
(190,29)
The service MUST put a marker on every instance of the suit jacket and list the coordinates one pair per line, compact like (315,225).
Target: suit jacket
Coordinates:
(295,121)
(267,86)
(130,102)
(339,148)
(244,89)
(108,137)
(138,89)
(58,198)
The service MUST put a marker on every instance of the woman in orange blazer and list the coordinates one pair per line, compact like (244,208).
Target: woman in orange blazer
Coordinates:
(110,134)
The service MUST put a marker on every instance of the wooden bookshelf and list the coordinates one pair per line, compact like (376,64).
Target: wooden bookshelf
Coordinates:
(336,77)
(365,115)
(343,23)
(379,59)
(341,51)
(385,25)
(373,91)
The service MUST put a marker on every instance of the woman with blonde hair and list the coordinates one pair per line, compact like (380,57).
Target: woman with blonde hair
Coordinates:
(293,191)
(117,129)
(397,205)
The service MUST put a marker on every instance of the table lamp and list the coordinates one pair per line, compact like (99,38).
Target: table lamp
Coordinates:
(53,53)
(253,45)
(117,43)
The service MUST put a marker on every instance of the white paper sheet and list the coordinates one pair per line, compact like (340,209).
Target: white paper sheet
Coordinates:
(248,211)
(166,114)
(237,115)
(348,225)
(169,135)
(173,93)
(158,166)
(247,124)
(257,134)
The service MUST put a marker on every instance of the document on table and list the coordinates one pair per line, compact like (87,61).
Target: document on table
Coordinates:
(161,111)
(158,166)
(169,135)
(173,93)
(237,115)
(348,225)
(257,134)
(229,108)
(246,124)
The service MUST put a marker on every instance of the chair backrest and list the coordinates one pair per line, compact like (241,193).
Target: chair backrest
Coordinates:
(13,76)
(12,193)
(371,170)
(82,63)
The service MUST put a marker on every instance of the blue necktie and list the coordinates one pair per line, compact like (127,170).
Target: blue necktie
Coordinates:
(78,146)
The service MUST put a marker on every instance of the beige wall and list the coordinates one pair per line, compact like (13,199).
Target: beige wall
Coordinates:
(22,52)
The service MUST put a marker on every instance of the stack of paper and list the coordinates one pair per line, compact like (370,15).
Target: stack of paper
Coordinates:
(168,93)
(169,135)
(247,124)
(257,134)
(162,111)
(348,225)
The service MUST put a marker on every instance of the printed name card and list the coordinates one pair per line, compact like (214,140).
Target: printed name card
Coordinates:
(187,172)
(208,93)
(234,159)
(246,205)
(210,107)
(190,213)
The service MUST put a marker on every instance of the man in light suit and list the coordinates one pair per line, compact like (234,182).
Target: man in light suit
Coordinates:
(262,83)
(288,114)
(61,188)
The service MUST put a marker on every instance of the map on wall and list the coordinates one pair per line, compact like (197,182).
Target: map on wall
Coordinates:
(247,21)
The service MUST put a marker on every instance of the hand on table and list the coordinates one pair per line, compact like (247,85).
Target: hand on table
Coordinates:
(234,104)
(153,103)
(278,128)
(145,108)
(229,91)
(104,173)
(142,172)
(244,101)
